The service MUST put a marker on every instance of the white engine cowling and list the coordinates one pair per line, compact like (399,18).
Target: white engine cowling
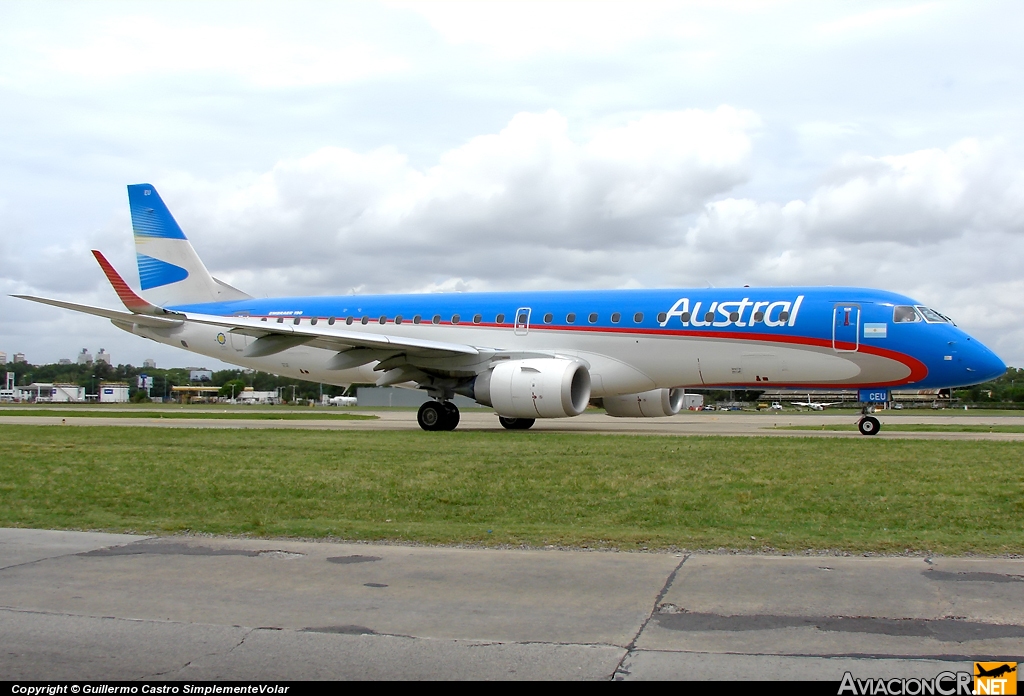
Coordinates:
(649,404)
(535,388)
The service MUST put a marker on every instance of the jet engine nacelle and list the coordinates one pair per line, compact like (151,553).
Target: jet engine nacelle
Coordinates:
(535,388)
(649,404)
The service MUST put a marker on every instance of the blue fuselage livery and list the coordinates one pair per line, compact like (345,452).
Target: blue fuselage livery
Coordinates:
(546,354)
(746,337)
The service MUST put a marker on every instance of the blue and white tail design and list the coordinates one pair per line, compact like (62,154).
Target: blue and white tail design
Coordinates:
(170,271)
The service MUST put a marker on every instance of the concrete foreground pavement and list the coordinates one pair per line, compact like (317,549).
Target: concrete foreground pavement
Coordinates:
(78,605)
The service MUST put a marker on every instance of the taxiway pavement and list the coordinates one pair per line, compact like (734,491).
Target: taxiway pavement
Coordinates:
(79,605)
(685,423)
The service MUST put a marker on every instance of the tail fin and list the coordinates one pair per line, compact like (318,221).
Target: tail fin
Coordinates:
(170,271)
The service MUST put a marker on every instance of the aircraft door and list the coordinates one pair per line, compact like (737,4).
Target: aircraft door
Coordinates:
(846,328)
(522,326)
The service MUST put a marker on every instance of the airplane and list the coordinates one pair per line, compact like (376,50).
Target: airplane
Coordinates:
(530,354)
(995,671)
(815,405)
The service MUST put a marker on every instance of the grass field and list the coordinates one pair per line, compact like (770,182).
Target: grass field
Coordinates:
(185,413)
(521,488)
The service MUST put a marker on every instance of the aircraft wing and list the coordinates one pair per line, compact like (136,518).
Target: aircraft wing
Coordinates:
(114,315)
(326,336)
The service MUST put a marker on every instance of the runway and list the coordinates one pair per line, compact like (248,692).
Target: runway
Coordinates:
(78,606)
(685,423)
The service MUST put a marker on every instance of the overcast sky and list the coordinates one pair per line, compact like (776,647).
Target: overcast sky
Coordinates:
(329,148)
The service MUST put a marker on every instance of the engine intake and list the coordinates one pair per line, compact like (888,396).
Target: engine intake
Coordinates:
(535,388)
(655,403)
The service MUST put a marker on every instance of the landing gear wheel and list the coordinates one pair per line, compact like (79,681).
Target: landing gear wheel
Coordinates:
(432,416)
(451,416)
(868,425)
(516,423)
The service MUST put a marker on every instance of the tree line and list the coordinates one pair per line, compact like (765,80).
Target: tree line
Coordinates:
(90,376)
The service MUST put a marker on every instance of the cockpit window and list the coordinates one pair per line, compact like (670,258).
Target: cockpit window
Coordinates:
(932,317)
(903,314)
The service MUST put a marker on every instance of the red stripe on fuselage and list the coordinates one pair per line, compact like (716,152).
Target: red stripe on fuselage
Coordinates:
(918,370)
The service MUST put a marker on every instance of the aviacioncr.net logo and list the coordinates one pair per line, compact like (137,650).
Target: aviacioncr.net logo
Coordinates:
(943,684)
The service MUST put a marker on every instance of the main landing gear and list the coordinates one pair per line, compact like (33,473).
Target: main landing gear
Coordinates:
(868,425)
(516,423)
(438,415)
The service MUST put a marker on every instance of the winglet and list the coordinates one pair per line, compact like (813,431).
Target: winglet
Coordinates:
(132,301)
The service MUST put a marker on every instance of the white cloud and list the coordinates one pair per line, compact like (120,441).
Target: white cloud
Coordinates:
(523,193)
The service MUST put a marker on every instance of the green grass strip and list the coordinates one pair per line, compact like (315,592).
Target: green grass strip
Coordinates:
(521,488)
(218,415)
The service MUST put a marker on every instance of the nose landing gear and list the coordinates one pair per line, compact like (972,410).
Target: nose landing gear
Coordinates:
(438,415)
(868,424)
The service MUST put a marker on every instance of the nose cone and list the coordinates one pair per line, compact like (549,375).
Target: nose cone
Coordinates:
(982,364)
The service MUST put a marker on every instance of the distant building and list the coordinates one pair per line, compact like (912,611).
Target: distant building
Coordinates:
(85,357)
(248,396)
(103,356)
(64,361)
(20,358)
(149,362)
(113,392)
(7,393)
(3,358)
(44,392)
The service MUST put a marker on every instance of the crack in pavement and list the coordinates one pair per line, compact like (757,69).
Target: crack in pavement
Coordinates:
(945,629)
(657,602)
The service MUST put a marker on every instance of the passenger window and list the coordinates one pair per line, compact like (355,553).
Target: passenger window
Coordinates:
(500,319)
(783,315)
(903,314)
(684,317)
(349,320)
(570,318)
(615,317)
(638,317)
(383,320)
(548,318)
(297,320)
(477,318)
(455,319)
(662,317)
(331,321)
(417,319)
(592,318)
(758,316)
(312,322)
(436,319)
(710,316)
(398,319)
(365,320)
(280,320)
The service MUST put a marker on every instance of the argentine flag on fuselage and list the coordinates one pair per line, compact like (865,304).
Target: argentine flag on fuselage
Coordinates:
(170,271)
